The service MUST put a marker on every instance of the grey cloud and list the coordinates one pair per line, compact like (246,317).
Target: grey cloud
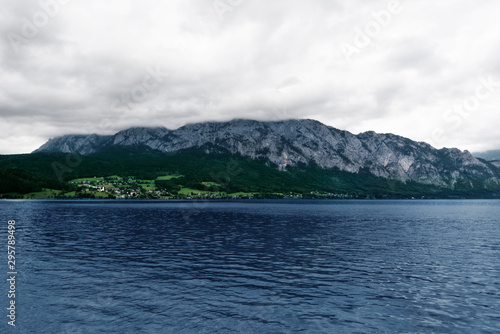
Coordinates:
(416,54)
(89,68)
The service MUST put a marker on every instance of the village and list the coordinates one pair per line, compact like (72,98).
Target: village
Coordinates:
(116,187)
(131,188)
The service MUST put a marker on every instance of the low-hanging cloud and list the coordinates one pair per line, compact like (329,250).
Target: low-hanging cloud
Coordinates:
(98,67)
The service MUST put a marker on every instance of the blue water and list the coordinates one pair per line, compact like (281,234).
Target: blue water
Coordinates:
(254,266)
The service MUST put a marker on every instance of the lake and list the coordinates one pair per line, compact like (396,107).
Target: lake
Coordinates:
(270,266)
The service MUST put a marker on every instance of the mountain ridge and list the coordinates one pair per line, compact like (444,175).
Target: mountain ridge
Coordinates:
(492,155)
(301,141)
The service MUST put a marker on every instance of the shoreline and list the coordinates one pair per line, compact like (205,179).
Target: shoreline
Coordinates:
(191,200)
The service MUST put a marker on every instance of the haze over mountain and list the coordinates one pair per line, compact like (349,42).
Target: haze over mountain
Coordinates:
(493,155)
(300,142)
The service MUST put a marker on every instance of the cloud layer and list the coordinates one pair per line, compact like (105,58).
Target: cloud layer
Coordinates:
(424,70)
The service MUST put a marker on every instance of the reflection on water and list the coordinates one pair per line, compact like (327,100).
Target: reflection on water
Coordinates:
(257,267)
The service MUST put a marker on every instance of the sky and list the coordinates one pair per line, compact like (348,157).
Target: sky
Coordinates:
(425,70)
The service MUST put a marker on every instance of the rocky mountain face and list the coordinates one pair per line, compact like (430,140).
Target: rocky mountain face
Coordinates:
(292,142)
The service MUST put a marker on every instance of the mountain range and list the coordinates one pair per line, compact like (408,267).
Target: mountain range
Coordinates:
(493,155)
(301,142)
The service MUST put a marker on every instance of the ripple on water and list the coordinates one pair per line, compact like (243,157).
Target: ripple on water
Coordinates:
(270,267)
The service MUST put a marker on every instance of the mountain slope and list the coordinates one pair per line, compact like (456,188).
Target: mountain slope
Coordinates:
(489,155)
(229,173)
(302,142)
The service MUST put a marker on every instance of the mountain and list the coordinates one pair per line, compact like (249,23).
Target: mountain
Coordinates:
(493,155)
(304,142)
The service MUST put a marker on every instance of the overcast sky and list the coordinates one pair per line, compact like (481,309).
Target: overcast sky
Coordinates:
(424,69)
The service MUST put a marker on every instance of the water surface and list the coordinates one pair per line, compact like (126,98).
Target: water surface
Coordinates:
(255,266)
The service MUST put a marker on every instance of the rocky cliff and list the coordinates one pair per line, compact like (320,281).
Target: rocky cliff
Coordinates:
(292,142)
